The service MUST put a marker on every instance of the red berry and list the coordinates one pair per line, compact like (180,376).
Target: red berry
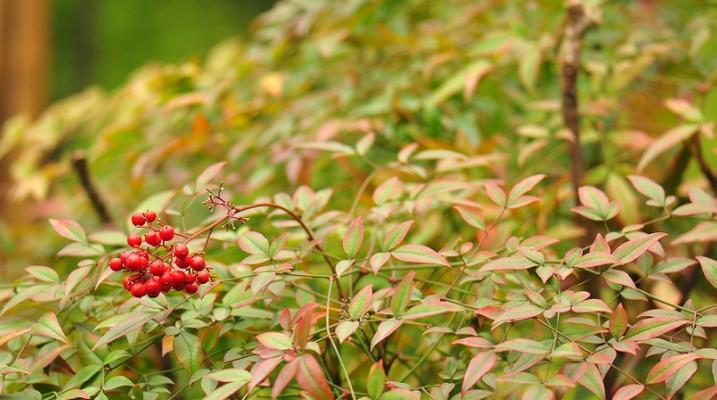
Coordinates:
(137,290)
(191,278)
(178,280)
(134,262)
(138,219)
(191,288)
(143,262)
(157,268)
(181,251)
(128,282)
(134,240)
(150,216)
(181,262)
(115,264)
(123,257)
(197,263)
(166,233)
(152,288)
(203,276)
(152,238)
(166,281)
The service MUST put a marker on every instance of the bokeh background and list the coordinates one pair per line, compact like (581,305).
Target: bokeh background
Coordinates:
(50,49)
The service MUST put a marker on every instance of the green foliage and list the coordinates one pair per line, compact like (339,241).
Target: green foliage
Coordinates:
(396,219)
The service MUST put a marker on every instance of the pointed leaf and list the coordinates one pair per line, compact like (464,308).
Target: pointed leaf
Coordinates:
(385,328)
(354,237)
(396,234)
(69,229)
(345,329)
(709,269)
(668,366)
(418,254)
(49,326)
(634,248)
(479,365)
(311,378)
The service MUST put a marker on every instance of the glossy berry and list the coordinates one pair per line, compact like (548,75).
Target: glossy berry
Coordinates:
(123,257)
(157,268)
(134,239)
(143,262)
(150,216)
(115,264)
(166,281)
(178,280)
(181,262)
(166,233)
(128,282)
(137,290)
(152,238)
(134,262)
(203,276)
(197,263)
(191,288)
(181,251)
(152,287)
(191,278)
(138,219)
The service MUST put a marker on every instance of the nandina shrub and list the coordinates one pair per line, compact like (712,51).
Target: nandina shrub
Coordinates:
(398,218)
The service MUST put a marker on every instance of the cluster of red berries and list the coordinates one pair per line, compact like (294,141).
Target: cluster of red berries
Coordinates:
(152,265)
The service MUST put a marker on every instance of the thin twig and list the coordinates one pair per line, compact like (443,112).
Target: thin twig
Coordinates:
(79,164)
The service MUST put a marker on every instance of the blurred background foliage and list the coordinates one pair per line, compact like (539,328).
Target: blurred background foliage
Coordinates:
(477,77)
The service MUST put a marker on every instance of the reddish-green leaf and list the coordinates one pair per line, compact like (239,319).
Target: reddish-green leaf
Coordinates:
(511,263)
(709,269)
(284,378)
(524,187)
(275,340)
(628,392)
(69,229)
(402,295)
(396,234)
(418,254)
(619,277)
(431,308)
(618,322)
(378,260)
(479,365)
(648,188)
(592,380)
(207,175)
(471,216)
(311,378)
(669,140)
(654,327)
(345,329)
(354,237)
(385,328)
(253,243)
(361,302)
(495,193)
(376,380)
(668,366)
(48,325)
(634,248)
(524,346)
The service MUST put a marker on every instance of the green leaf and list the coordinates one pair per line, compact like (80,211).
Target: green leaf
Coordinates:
(668,366)
(512,263)
(253,243)
(524,346)
(648,188)
(471,216)
(82,376)
(230,375)
(127,326)
(23,295)
(49,326)
(709,269)
(402,295)
(225,391)
(73,279)
(275,340)
(592,380)
(187,349)
(69,229)
(376,380)
(396,234)
(456,83)
(361,302)
(44,274)
(117,382)
(418,254)
(430,308)
(354,237)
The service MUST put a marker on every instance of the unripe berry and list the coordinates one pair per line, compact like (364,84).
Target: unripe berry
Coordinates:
(152,238)
(191,288)
(191,278)
(152,287)
(138,219)
(203,276)
(137,290)
(166,233)
(134,240)
(181,251)
(197,263)
(150,216)
(115,264)
(157,268)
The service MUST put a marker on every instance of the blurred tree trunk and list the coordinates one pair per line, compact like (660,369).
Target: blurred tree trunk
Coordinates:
(23,56)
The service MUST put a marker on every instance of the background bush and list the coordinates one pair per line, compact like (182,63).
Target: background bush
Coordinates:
(390,112)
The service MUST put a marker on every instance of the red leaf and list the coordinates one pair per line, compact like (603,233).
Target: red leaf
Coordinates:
(284,378)
(479,365)
(311,378)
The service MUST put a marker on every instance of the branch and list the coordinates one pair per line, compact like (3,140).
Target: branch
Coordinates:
(704,167)
(79,164)
(577,24)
